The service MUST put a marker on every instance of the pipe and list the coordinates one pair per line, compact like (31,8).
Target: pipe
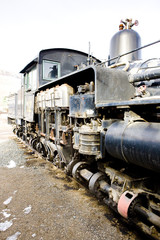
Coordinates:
(135,50)
(146,76)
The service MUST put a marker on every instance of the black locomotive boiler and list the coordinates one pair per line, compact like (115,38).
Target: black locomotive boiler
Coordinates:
(100,123)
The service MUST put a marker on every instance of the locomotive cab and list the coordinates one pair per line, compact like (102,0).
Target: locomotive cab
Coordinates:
(52,64)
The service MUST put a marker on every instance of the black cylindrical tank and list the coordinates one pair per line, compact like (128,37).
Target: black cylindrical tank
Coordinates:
(137,143)
(124,41)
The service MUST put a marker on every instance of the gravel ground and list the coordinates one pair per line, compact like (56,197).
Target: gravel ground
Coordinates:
(38,201)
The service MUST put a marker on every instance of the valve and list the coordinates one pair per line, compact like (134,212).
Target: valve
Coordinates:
(127,24)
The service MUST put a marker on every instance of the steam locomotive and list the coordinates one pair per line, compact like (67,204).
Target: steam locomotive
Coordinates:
(100,122)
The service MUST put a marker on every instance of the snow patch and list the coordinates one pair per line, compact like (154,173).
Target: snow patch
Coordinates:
(14,236)
(11,164)
(7,201)
(5,214)
(27,209)
(5,225)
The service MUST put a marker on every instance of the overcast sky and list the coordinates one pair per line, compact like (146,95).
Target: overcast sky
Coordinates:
(28,26)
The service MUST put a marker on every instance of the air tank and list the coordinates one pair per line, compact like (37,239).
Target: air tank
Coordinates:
(135,142)
(125,41)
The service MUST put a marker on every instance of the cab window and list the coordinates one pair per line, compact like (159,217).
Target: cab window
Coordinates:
(30,79)
(51,70)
